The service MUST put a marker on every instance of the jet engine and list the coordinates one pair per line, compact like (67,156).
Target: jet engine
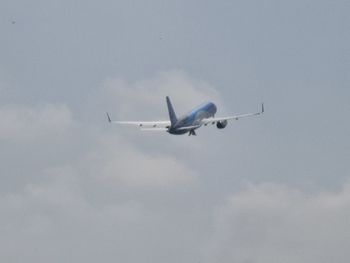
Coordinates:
(221,124)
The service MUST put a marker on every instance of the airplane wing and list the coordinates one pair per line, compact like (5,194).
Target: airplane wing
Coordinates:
(144,125)
(236,117)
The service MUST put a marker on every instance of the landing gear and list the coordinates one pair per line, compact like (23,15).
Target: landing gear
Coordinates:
(192,132)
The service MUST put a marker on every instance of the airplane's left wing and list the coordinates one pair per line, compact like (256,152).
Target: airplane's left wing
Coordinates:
(144,125)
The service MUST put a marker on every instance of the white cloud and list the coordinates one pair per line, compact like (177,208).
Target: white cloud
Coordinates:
(81,215)
(19,123)
(116,160)
(263,223)
(53,138)
(147,97)
(74,191)
(98,194)
(273,223)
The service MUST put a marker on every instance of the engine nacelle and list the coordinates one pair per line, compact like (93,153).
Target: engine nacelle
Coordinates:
(221,124)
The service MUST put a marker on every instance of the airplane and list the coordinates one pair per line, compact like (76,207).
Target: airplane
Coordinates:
(203,115)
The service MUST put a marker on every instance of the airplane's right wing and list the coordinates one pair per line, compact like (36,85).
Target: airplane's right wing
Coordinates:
(235,117)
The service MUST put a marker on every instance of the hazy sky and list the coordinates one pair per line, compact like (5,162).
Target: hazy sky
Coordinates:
(275,188)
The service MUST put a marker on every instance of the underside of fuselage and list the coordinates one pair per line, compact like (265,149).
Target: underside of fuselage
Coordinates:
(178,132)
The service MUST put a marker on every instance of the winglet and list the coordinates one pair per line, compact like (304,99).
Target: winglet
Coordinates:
(108,117)
(262,108)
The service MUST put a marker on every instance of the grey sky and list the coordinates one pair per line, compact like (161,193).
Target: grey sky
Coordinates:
(269,189)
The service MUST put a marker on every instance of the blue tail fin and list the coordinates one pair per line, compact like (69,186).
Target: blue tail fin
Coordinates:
(172,114)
